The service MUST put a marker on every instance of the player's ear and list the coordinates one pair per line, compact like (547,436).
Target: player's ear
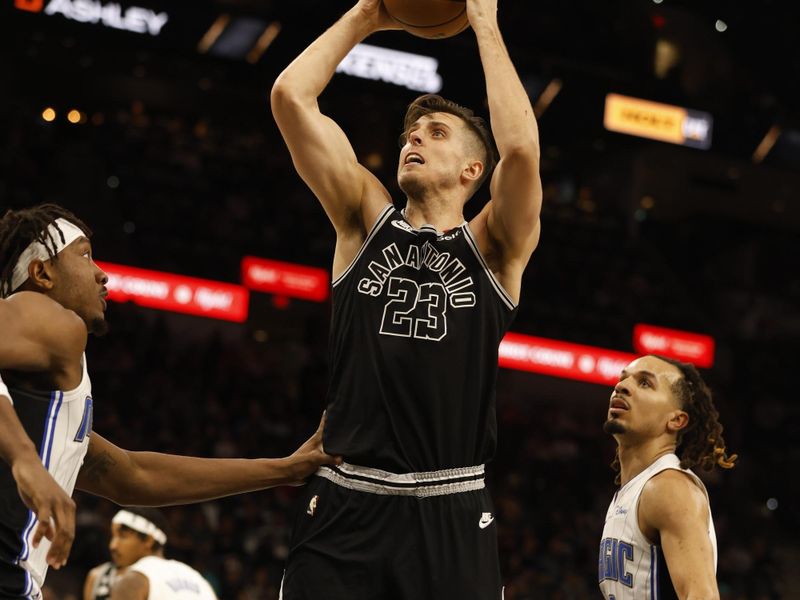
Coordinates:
(472,172)
(41,275)
(678,420)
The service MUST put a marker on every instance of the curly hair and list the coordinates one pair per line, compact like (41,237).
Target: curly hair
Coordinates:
(19,228)
(432,103)
(700,442)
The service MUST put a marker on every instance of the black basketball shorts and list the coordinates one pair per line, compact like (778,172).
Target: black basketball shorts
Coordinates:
(365,534)
(15,582)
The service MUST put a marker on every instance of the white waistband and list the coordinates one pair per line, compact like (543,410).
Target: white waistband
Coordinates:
(421,485)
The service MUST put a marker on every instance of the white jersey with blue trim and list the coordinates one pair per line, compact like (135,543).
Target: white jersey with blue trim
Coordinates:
(63,446)
(630,566)
(172,580)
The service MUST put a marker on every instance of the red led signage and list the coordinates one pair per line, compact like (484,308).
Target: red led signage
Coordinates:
(176,293)
(682,345)
(285,279)
(562,359)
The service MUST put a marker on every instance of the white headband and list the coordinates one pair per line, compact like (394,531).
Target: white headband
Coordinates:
(38,251)
(140,524)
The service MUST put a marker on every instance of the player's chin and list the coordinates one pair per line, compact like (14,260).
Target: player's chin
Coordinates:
(614,426)
(98,326)
(410,184)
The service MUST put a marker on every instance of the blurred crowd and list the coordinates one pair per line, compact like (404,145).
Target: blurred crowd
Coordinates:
(186,195)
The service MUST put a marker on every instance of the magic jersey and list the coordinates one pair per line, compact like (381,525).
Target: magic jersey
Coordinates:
(417,321)
(59,423)
(173,580)
(630,566)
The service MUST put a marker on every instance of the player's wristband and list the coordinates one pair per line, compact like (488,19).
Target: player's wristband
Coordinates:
(4,391)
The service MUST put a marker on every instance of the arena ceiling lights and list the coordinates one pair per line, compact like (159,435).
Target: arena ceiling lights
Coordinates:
(135,19)
(244,38)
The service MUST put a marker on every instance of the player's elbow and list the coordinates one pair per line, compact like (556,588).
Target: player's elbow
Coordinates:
(521,152)
(286,97)
(280,96)
(703,592)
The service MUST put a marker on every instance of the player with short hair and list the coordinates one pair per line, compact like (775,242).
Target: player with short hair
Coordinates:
(53,296)
(421,300)
(659,540)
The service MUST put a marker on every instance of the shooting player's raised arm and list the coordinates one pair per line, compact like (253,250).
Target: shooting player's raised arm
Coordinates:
(351,196)
(516,189)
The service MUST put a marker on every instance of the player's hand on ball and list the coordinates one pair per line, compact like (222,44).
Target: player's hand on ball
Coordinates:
(310,456)
(376,13)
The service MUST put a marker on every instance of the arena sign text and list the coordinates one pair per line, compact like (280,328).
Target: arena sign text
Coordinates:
(135,19)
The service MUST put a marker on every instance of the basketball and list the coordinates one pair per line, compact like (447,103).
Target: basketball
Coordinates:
(433,19)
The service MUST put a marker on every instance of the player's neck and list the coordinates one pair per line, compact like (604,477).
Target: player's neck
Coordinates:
(636,457)
(443,215)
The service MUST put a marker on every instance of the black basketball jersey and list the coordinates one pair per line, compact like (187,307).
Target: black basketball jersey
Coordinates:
(417,321)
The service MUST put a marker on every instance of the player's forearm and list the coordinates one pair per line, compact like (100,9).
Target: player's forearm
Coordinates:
(513,122)
(704,591)
(696,585)
(308,75)
(166,479)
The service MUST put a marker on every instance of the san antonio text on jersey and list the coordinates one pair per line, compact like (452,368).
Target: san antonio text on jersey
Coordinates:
(417,321)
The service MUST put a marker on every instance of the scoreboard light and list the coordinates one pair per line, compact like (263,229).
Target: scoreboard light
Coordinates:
(655,121)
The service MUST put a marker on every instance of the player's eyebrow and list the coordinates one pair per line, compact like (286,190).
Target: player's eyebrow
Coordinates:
(418,124)
(647,374)
(438,124)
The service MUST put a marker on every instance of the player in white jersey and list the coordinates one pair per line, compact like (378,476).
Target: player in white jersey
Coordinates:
(156,578)
(134,535)
(659,540)
(52,295)
(138,539)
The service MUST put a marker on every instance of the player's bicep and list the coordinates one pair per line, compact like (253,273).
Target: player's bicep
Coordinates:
(675,507)
(107,470)
(88,585)
(323,157)
(690,559)
(38,333)
(131,586)
(516,191)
